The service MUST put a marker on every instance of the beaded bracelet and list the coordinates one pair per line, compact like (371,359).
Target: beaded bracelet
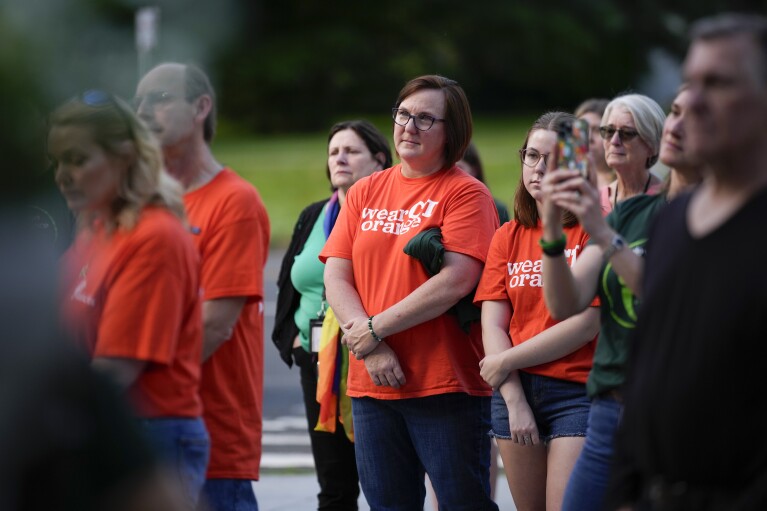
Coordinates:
(553,248)
(372,332)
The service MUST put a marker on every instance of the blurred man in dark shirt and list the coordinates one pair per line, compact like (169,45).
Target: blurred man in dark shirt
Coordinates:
(692,434)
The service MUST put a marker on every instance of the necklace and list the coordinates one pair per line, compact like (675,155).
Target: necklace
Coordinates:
(646,187)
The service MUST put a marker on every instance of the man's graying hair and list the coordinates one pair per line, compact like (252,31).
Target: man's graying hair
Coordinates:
(196,84)
(732,25)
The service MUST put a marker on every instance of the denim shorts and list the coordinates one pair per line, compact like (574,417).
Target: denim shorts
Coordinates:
(560,407)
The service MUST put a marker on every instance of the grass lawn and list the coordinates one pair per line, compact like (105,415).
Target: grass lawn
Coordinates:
(289,170)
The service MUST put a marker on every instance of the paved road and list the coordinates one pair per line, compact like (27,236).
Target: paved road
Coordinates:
(286,442)
(298,492)
(282,393)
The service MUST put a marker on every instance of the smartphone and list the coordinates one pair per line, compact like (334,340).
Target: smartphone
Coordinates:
(573,146)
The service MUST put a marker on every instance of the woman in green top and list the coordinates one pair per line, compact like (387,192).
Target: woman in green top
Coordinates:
(611,266)
(355,150)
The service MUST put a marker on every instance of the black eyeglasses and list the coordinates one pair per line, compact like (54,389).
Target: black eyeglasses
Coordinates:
(531,157)
(607,132)
(422,122)
(153,99)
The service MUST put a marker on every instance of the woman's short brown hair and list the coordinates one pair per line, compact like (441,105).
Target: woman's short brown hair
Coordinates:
(525,208)
(458,122)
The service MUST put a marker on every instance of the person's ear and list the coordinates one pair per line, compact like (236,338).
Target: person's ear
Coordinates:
(203,106)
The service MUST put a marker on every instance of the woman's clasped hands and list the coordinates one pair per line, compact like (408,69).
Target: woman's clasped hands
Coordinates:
(358,338)
(380,360)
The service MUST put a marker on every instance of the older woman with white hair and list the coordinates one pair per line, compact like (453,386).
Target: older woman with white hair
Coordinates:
(631,132)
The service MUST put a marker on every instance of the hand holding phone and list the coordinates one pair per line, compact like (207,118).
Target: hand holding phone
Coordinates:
(573,147)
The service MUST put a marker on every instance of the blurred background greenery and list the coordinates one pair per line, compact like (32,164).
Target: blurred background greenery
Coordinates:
(285,70)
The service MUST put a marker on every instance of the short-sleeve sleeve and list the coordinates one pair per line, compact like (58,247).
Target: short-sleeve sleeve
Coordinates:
(144,307)
(492,284)
(470,222)
(234,255)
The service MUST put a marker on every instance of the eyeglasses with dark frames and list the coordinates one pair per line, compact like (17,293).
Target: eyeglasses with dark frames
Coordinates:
(531,157)
(625,134)
(422,122)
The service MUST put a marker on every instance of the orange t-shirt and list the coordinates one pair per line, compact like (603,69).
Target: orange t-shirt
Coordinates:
(513,272)
(135,294)
(231,230)
(381,214)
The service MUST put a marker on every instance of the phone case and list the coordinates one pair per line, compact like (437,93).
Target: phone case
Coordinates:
(573,142)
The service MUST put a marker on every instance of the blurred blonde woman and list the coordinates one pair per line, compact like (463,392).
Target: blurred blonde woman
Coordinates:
(130,280)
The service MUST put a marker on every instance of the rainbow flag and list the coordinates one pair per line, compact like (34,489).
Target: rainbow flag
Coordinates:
(333,366)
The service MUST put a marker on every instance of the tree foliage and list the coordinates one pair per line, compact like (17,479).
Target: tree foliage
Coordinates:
(298,63)
(287,65)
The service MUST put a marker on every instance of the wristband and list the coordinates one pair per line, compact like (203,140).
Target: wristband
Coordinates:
(372,332)
(553,248)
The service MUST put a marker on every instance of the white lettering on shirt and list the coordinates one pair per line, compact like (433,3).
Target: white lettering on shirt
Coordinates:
(78,294)
(396,221)
(528,272)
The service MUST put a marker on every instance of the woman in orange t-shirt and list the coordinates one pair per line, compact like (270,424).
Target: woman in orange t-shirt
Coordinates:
(418,401)
(130,281)
(540,407)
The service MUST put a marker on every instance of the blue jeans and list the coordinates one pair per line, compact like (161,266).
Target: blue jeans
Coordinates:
(229,495)
(184,446)
(396,441)
(591,474)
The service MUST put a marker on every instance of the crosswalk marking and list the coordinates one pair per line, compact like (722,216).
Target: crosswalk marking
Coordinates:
(270,460)
(285,423)
(286,443)
(285,439)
